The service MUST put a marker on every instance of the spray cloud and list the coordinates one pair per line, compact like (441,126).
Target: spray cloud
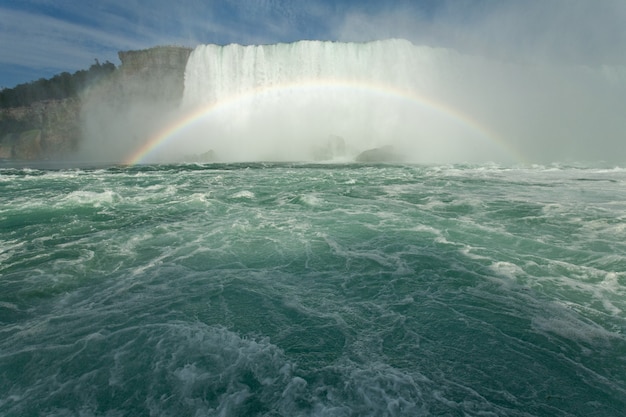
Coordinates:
(545,78)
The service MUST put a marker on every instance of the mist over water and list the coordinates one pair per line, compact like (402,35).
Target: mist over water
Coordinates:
(325,101)
(316,289)
(488,278)
(315,100)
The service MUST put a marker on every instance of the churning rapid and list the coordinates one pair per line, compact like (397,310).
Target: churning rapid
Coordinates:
(322,101)
(313,290)
(351,288)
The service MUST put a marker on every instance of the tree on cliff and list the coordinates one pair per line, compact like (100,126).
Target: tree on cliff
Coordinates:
(58,87)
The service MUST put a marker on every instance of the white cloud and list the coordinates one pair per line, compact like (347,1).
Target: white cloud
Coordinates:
(68,35)
(40,41)
(568,31)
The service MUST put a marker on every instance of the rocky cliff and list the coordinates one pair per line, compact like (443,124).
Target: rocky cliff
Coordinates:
(156,73)
(55,129)
(44,130)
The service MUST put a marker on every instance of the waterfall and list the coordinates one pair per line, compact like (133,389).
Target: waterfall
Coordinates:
(215,73)
(385,100)
(321,101)
(316,100)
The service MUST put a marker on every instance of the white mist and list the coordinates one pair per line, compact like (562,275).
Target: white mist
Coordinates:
(314,100)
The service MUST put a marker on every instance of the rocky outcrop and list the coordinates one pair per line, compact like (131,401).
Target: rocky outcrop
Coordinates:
(157,73)
(126,109)
(43,130)
(205,157)
(382,154)
(51,129)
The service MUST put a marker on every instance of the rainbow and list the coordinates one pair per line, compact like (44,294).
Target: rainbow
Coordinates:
(180,125)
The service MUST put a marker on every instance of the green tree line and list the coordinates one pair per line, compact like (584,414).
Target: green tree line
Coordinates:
(58,87)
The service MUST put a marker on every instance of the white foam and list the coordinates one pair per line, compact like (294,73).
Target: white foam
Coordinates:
(379,389)
(311,200)
(9,306)
(468,251)
(97,199)
(244,194)
(507,269)
(570,327)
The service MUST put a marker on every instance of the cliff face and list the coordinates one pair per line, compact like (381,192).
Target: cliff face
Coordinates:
(121,113)
(52,129)
(44,130)
(158,59)
(156,73)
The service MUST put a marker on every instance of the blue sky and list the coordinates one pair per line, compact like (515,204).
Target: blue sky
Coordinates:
(40,38)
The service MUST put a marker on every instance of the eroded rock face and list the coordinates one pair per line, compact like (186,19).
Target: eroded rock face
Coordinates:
(43,130)
(54,129)
(157,73)
(29,145)
(123,111)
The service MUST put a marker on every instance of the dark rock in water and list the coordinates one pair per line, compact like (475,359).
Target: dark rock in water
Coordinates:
(382,154)
(208,156)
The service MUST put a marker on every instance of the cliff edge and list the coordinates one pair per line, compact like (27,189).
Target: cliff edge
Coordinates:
(58,128)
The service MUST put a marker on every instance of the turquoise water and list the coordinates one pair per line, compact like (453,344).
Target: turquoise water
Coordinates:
(313,290)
